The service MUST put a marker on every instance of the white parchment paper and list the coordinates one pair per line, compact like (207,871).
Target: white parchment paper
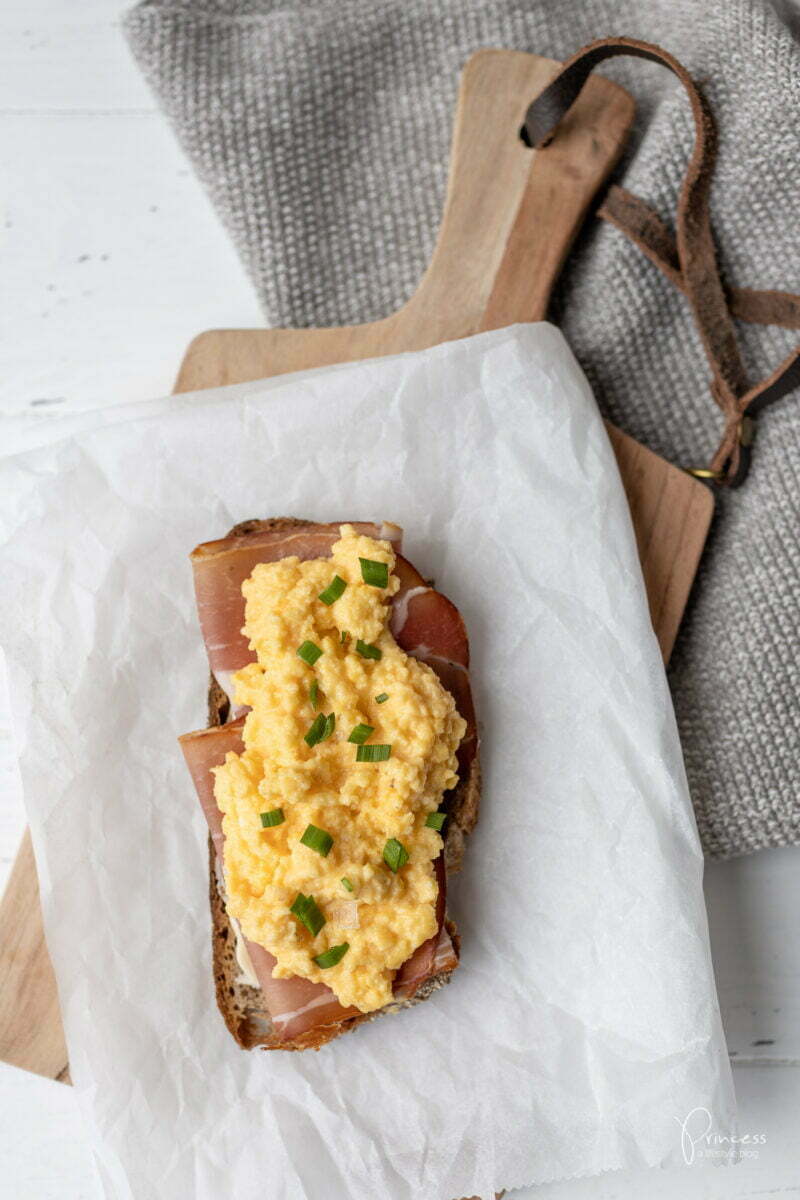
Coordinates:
(583,1024)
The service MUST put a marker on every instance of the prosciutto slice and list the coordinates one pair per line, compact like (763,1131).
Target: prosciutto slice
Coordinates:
(429,626)
(297,1005)
(220,568)
(424,623)
(202,751)
(420,966)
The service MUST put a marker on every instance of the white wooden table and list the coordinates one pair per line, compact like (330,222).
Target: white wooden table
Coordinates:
(104,284)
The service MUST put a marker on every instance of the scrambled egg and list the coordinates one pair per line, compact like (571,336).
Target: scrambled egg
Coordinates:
(360,805)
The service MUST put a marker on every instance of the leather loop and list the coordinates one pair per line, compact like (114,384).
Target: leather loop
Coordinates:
(637,221)
(784,379)
(688,259)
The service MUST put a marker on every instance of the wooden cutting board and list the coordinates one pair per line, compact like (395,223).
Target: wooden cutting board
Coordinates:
(510,218)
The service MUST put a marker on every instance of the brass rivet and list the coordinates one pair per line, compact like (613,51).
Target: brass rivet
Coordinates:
(703,473)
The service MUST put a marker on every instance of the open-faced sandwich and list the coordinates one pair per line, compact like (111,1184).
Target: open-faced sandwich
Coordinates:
(339,776)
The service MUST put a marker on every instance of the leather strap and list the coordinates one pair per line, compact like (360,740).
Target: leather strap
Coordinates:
(688,260)
(637,221)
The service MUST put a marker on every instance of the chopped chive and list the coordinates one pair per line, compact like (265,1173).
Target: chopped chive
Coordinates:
(394,854)
(344,636)
(331,956)
(333,591)
(345,882)
(316,731)
(360,734)
(309,653)
(306,909)
(373,753)
(376,574)
(368,651)
(321,728)
(273,817)
(313,694)
(384,696)
(317,839)
(435,820)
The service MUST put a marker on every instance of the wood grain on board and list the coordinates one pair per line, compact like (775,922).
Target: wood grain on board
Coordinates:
(506,229)
(31,1034)
(509,220)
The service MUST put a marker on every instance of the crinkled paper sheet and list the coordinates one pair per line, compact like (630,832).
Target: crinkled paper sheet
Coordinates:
(583,1020)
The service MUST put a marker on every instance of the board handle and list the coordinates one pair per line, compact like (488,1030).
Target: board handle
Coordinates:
(561,186)
(694,268)
(511,215)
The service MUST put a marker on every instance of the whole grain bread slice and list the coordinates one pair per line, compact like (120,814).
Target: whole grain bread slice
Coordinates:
(242,1006)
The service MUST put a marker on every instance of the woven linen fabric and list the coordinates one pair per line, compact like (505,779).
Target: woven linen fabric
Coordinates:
(321,129)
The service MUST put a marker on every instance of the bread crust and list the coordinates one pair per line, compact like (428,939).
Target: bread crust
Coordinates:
(242,1006)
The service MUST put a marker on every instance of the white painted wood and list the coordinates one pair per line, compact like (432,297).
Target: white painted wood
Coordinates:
(110,254)
(754,919)
(67,55)
(43,1147)
(112,260)
(94,172)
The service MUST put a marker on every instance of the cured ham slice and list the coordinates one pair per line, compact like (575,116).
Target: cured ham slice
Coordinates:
(297,1005)
(220,568)
(429,626)
(424,622)
(419,967)
(206,749)
(445,959)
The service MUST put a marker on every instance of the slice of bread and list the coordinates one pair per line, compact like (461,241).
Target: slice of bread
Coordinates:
(242,1006)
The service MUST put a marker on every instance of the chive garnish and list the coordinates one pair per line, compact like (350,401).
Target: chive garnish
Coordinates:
(345,882)
(376,574)
(313,693)
(321,728)
(307,911)
(368,651)
(333,591)
(360,733)
(384,696)
(343,637)
(330,725)
(309,653)
(273,817)
(317,839)
(373,754)
(394,854)
(331,956)
(316,730)
(435,820)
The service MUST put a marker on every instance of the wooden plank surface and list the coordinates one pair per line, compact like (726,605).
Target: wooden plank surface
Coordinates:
(671,523)
(30,1019)
(510,218)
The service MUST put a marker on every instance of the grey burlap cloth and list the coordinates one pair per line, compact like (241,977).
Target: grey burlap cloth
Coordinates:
(321,129)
